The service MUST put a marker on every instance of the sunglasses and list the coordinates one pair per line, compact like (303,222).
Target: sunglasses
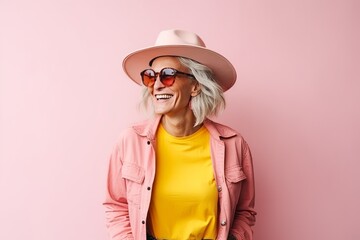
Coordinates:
(166,75)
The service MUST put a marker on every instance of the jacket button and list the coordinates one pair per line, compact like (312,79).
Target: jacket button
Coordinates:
(219,188)
(148,188)
(143,222)
(148,142)
(223,223)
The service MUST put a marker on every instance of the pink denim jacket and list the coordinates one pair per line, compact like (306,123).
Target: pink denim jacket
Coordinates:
(132,170)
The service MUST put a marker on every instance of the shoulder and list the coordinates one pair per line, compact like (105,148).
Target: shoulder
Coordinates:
(127,132)
(223,131)
(140,130)
(226,134)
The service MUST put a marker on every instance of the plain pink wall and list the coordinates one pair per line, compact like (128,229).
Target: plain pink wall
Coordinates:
(64,100)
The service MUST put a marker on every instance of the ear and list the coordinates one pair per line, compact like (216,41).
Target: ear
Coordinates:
(195,89)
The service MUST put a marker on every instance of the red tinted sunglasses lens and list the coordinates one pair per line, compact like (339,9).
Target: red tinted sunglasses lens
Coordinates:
(148,77)
(167,76)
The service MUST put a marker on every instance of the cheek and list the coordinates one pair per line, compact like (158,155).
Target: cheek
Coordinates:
(186,94)
(184,91)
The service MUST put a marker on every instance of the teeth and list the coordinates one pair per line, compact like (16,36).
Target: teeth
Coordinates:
(163,96)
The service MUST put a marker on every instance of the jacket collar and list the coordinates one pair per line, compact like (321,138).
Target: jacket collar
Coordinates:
(219,131)
(148,128)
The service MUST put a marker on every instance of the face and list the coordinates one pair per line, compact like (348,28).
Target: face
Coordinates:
(173,100)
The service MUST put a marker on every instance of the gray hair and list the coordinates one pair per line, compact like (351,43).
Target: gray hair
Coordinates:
(209,101)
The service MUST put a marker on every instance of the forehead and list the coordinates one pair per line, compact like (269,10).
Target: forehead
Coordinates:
(167,61)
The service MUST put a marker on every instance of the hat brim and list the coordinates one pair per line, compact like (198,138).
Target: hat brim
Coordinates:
(224,72)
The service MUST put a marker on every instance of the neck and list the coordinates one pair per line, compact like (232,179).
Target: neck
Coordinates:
(180,126)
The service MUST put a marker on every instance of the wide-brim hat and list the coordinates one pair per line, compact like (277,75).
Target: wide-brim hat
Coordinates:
(184,44)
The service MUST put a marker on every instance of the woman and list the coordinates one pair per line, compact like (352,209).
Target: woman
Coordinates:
(180,175)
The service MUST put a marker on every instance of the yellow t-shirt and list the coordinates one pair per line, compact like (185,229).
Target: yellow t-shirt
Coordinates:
(184,198)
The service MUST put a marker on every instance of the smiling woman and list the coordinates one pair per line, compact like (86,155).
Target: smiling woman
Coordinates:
(180,175)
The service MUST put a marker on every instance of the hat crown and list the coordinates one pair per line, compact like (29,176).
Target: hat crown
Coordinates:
(179,37)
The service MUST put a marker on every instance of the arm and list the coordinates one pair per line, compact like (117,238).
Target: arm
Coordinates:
(244,217)
(116,206)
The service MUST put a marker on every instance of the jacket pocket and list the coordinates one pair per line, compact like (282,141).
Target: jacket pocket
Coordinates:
(235,178)
(234,174)
(134,176)
(133,172)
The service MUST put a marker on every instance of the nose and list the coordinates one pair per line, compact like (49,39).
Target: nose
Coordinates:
(158,84)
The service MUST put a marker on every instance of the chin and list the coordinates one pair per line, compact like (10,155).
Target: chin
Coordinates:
(160,111)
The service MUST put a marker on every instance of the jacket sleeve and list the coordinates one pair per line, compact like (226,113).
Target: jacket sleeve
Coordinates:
(116,205)
(244,217)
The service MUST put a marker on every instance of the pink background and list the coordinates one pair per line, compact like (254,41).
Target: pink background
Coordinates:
(64,99)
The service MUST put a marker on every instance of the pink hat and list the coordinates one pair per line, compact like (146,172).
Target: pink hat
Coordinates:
(184,44)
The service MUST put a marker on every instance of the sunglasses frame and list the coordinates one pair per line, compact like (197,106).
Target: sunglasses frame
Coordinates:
(162,76)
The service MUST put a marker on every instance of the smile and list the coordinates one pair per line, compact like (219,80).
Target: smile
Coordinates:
(163,96)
